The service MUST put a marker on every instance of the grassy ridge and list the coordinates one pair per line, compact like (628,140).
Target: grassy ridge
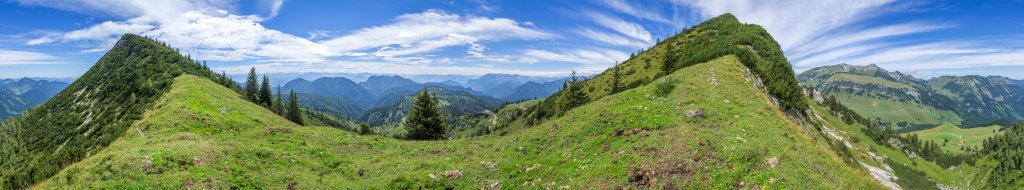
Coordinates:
(93,111)
(631,139)
(717,37)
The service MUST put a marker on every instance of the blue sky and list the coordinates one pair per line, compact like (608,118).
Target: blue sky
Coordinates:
(63,38)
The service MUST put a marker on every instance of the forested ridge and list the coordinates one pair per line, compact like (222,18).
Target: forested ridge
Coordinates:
(94,110)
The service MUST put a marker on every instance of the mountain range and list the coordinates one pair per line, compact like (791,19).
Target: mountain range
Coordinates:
(914,103)
(18,95)
(383,100)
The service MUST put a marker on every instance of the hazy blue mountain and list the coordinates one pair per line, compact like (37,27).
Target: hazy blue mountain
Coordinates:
(332,86)
(534,90)
(21,94)
(375,99)
(451,82)
(498,85)
(377,85)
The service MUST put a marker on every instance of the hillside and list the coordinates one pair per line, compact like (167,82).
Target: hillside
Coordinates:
(93,111)
(720,36)
(911,104)
(627,140)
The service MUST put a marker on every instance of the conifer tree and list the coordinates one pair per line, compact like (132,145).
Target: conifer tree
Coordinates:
(572,94)
(224,78)
(668,63)
(616,85)
(278,104)
(251,90)
(294,113)
(364,129)
(265,95)
(424,121)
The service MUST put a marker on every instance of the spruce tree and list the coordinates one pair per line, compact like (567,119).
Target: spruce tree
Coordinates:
(265,95)
(668,64)
(572,94)
(616,84)
(278,104)
(294,113)
(424,121)
(364,129)
(250,86)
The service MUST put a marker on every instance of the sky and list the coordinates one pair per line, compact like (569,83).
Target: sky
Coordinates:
(64,38)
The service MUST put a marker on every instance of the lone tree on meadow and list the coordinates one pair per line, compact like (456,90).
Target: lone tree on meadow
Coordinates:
(294,113)
(425,121)
(250,86)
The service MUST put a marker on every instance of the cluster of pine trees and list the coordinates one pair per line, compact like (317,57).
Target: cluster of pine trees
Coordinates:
(262,94)
(571,95)
(1008,151)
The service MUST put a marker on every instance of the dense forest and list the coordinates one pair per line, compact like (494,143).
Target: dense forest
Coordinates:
(1008,151)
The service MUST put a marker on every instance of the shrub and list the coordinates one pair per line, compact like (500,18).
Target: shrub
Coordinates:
(665,87)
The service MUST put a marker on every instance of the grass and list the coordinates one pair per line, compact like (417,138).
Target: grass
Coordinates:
(867,80)
(894,111)
(875,154)
(633,139)
(973,137)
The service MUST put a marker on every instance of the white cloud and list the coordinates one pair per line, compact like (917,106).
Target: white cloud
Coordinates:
(602,57)
(16,57)
(432,30)
(942,55)
(208,35)
(613,39)
(629,29)
(156,9)
(830,41)
(383,67)
(274,6)
(624,7)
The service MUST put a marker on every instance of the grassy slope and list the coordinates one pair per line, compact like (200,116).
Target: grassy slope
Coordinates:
(893,111)
(973,137)
(630,135)
(873,153)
